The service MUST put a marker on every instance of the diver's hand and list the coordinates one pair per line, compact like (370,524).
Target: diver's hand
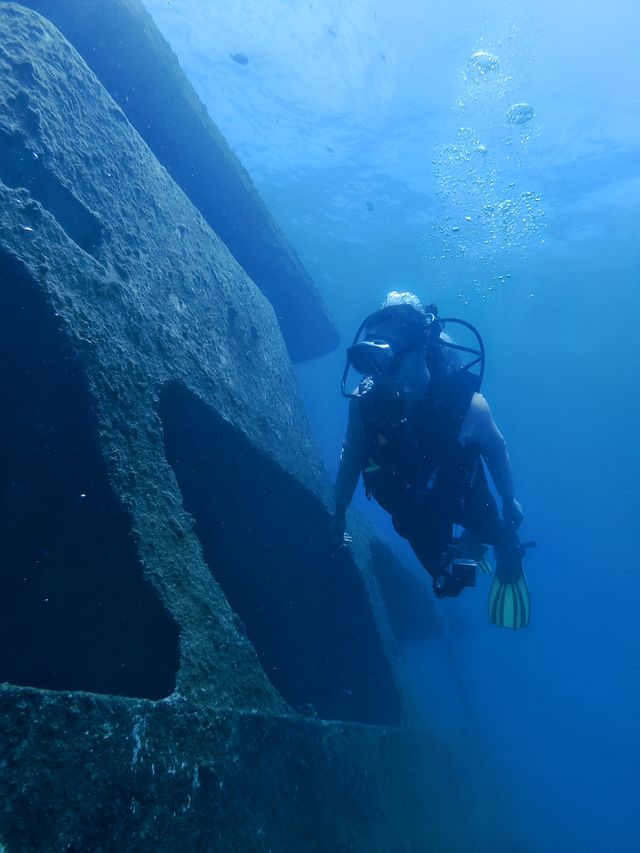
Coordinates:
(512,513)
(338,529)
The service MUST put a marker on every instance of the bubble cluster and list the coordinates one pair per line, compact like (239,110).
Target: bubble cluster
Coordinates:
(483,215)
(487,210)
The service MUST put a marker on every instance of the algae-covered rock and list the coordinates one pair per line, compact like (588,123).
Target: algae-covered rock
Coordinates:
(190,664)
(122,45)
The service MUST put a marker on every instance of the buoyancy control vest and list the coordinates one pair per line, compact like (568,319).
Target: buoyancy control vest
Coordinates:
(412,458)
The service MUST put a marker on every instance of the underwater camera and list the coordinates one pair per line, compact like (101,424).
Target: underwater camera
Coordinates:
(463,571)
(456,574)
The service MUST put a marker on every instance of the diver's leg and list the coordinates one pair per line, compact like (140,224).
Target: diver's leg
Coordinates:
(434,546)
(428,537)
(428,527)
(509,600)
(430,545)
(479,513)
(482,521)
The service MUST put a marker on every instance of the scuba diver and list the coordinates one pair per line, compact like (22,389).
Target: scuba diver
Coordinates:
(419,432)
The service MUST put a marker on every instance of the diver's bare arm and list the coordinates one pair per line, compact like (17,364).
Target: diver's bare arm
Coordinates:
(347,478)
(350,461)
(499,465)
(493,447)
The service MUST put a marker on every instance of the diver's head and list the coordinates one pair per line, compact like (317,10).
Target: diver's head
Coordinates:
(403,323)
(403,345)
(395,343)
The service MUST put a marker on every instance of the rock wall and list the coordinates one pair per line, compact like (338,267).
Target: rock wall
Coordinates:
(187,663)
(122,45)
(120,775)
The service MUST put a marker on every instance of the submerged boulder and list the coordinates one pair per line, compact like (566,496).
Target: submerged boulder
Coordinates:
(123,47)
(182,650)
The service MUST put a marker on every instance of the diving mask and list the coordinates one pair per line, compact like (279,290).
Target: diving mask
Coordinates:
(375,357)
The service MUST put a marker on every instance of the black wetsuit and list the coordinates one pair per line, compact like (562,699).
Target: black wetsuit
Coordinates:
(416,468)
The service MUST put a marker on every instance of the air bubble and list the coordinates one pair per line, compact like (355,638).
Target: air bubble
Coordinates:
(481,63)
(520,113)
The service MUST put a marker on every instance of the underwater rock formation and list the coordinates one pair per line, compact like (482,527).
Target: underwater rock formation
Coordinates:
(187,663)
(123,47)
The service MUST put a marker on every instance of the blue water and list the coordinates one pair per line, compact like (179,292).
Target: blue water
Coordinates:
(382,137)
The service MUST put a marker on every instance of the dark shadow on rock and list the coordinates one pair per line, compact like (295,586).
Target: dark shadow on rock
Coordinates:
(265,539)
(75,610)
(20,167)
(407,597)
